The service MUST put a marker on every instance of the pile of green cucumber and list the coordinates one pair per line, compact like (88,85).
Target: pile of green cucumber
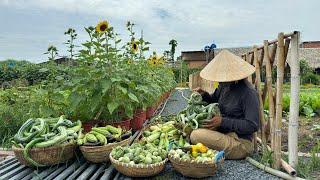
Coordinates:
(45,132)
(197,111)
(99,136)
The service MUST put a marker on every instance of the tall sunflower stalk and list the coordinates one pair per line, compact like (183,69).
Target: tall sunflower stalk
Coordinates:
(70,42)
(133,45)
(103,30)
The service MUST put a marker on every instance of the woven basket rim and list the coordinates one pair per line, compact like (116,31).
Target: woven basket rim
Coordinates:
(188,162)
(46,148)
(104,146)
(138,166)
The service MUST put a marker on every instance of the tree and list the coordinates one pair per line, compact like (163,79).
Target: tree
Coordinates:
(166,55)
(173,44)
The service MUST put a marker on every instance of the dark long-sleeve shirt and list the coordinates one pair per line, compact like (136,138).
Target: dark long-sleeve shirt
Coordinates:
(239,108)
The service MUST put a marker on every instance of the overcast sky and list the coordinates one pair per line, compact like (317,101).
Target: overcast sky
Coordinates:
(29,26)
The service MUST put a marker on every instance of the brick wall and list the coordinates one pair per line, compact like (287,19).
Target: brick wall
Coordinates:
(312,44)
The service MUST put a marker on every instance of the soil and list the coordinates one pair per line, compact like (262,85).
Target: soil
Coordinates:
(307,137)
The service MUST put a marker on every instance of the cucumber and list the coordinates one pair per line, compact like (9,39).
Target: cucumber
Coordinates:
(19,137)
(91,138)
(55,139)
(76,126)
(102,139)
(26,152)
(100,130)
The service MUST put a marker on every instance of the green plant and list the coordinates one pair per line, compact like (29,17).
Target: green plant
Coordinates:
(267,157)
(70,42)
(53,52)
(173,43)
(306,167)
(310,78)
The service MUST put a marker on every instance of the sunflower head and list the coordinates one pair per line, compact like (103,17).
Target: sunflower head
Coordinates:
(154,58)
(129,61)
(153,61)
(102,27)
(134,46)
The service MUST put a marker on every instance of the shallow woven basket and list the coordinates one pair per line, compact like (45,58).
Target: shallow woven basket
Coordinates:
(138,170)
(47,156)
(99,154)
(192,168)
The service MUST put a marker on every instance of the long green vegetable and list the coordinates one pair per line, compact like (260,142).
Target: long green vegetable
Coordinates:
(26,152)
(41,133)
(196,112)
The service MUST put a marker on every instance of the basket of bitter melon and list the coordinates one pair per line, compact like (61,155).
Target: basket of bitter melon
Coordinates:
(196,161)
(97,144)
(46,141)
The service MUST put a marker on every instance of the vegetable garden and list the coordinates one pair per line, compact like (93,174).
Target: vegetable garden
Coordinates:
(101,106)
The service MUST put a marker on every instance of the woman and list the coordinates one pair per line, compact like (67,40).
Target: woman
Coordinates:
(238,103)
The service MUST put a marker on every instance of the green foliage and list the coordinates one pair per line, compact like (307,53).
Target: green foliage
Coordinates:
(266,157)
(308,106)
(306,167)
(102,86)
(52,51)
(70,42)
(32,73)
(173,43)
(310,78)
(183,71)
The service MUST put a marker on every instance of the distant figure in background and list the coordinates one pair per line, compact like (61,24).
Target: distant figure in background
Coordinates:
(238,103)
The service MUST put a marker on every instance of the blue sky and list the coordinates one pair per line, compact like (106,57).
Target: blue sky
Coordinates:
(29,26)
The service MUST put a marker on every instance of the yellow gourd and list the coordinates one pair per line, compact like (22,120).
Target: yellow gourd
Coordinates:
(201,148)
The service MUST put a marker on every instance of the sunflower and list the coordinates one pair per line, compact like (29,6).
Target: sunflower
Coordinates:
(134,46)
(102,27)
(154,58)
(153,61)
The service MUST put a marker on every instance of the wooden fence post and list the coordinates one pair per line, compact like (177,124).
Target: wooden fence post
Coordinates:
(257,84)
(248,60)
(278,120)
(294,101)
(269,90)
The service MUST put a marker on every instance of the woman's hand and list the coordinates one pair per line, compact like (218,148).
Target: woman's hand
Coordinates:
(212,123)
(199,90)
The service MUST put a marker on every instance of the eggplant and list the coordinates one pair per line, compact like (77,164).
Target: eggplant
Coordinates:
(126,135)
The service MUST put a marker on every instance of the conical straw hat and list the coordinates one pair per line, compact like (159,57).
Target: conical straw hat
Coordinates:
(226,67)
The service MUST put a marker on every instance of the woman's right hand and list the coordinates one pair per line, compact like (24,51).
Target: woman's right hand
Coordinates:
(199,90)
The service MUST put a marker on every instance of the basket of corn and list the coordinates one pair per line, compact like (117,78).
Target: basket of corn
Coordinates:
(97,144)
(196,161)
(46,141)
(139,160)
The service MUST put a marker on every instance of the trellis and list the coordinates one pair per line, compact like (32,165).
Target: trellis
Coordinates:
(276,51)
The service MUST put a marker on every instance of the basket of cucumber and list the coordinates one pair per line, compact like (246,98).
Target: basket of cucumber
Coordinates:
(196,162)
(97,144)
(45,142)
(139,160)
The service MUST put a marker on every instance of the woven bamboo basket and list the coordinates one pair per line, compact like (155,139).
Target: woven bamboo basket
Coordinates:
(192,168)
(138,170)
(47,156)
(99,154)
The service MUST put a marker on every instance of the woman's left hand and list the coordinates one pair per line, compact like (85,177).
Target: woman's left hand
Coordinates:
(212,123)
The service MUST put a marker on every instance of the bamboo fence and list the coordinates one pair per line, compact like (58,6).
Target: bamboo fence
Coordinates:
(269,51)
